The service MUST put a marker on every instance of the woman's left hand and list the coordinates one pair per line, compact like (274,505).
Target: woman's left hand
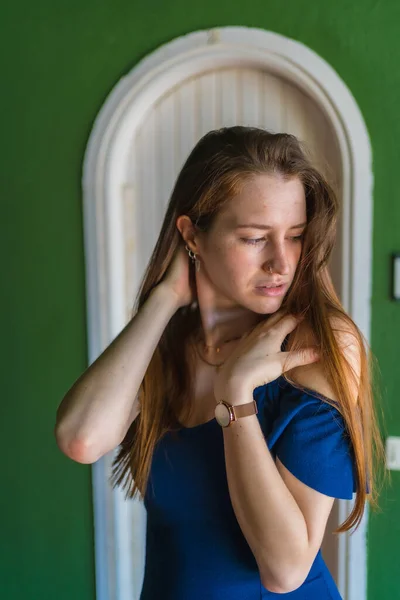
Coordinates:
(258,360)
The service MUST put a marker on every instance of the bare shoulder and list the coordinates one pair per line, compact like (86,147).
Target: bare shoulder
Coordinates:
(314,376)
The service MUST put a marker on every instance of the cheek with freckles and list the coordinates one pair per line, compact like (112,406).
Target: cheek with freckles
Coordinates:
(232,266)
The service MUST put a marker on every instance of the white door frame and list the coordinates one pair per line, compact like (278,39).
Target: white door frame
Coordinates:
(105,192)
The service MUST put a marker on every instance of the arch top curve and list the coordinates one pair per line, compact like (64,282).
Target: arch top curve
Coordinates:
(194,52)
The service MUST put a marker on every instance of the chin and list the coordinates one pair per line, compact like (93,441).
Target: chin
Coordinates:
(267,307)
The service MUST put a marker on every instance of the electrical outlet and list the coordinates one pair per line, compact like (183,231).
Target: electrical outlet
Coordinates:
(393,453)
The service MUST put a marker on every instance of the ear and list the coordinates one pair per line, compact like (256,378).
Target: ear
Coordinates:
(188,231)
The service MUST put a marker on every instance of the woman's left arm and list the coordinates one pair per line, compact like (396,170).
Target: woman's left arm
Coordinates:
(282,519)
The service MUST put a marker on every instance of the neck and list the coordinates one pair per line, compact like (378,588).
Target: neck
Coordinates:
(222,326)
(220,318)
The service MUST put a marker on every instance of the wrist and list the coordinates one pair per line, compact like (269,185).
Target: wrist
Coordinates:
(164,292)
(236,394)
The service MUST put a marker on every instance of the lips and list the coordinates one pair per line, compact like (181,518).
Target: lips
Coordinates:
(271,285)
(270,290)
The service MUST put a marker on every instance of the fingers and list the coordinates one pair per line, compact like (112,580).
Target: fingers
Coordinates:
(271,321)
(275,329)
(280,328)
(279,316)
(276,317)
(299,358)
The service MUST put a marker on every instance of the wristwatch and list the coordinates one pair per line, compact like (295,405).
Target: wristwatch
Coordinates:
(225,413)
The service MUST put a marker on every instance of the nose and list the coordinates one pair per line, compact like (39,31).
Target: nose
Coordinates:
(278,261)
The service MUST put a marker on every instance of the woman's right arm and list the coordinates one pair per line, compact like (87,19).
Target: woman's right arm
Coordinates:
(98,410)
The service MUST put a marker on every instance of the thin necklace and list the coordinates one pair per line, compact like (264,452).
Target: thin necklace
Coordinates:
(217,348)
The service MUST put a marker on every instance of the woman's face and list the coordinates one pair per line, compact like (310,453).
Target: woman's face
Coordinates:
(261,227)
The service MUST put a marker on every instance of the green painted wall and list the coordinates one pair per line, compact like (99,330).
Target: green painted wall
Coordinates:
(60,60)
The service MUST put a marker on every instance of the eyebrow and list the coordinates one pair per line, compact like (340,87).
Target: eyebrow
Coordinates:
(258,226)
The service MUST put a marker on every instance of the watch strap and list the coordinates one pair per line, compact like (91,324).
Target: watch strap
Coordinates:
(245,410)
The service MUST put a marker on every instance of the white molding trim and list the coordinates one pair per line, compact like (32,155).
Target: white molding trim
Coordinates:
(103,173)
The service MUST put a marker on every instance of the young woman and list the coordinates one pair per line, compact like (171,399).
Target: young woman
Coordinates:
(239,394)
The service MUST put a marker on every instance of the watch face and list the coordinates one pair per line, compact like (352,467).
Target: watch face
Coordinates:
(222,414)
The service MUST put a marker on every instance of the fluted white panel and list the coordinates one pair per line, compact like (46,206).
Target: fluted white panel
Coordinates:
(207,105)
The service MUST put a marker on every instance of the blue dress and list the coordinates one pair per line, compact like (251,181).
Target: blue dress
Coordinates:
(195,549)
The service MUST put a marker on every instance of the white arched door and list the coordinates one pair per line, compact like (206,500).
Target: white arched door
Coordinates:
(138,146)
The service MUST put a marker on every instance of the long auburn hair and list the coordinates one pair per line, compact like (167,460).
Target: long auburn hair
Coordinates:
(213,173)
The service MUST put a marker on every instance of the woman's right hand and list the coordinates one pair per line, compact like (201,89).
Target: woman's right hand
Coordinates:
(179,278)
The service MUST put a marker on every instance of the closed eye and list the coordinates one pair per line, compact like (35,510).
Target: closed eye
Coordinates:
(254,241)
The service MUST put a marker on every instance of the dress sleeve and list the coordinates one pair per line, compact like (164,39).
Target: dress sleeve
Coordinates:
(310,439)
